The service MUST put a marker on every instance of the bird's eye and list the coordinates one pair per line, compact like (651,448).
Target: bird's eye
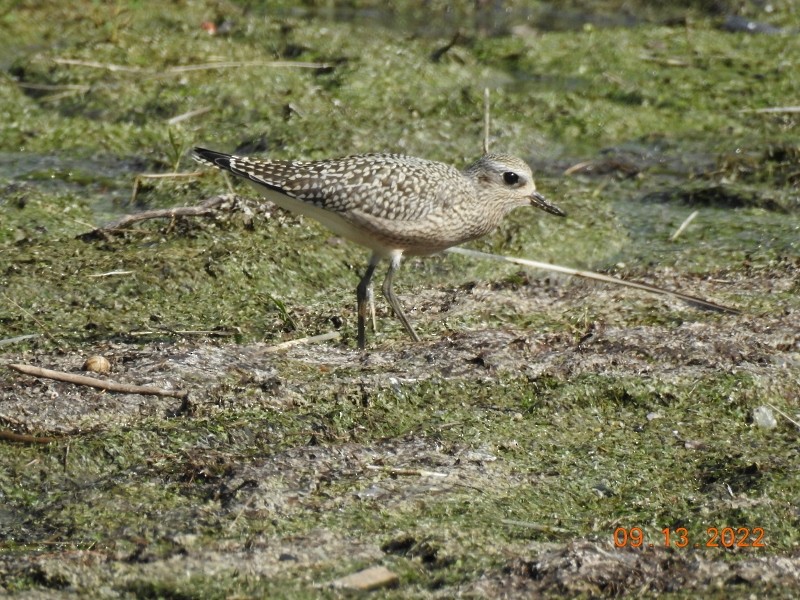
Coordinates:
(510,178)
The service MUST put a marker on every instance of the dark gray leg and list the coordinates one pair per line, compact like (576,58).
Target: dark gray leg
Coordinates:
(371,302)
(363,293)
(389,293)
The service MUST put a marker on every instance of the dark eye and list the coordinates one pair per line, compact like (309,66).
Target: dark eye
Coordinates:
(510,178)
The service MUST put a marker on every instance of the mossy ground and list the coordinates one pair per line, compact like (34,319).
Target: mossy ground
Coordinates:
(538,414)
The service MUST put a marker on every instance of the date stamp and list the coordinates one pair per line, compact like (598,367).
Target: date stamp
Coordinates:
(715,537)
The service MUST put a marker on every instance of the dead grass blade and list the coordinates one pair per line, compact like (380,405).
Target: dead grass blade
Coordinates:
(692,300)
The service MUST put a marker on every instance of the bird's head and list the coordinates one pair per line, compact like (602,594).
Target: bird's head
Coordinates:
(509,178)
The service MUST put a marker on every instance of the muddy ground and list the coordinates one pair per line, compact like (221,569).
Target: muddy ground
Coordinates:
(240,474)
(541,418)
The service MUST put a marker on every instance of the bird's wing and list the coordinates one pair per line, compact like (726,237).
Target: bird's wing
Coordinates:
(387,186)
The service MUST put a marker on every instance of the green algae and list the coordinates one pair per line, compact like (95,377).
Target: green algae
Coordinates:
(663,114)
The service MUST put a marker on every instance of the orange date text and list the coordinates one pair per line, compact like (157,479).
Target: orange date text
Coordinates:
(715,537)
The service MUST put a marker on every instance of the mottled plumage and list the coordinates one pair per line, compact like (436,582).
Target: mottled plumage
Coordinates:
(392,204)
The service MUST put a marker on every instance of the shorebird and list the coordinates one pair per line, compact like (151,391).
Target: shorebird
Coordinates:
(394,205)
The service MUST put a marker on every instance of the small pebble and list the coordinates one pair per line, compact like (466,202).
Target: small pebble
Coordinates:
(368,579)
(763,417)
(97,364)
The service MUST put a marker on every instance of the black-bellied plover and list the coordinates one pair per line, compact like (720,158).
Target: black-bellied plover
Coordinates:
(394,205)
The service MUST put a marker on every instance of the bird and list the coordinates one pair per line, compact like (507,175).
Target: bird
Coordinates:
(394,205)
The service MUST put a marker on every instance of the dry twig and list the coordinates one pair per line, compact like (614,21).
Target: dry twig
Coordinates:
(784,415)
(486,120)
(109,386)
(111,274)
(684,225)
(401,471)
(324,337)
(203,210)
(188,115)
(19,338)
(24,438)
(96,65)
(772,109)
(693,300)
(233,64)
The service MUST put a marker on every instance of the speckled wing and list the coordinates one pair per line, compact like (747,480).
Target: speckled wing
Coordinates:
(388,186)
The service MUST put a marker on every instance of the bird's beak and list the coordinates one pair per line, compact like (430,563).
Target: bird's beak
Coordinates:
(540,201)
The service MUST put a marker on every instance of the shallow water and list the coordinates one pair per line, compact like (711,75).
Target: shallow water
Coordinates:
(648,181)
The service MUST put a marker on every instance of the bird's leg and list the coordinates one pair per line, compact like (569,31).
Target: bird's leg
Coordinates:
(364,293)
(371,300)
(394,264)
